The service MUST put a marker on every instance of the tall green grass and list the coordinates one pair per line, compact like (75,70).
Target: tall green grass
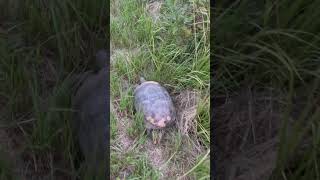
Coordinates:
(167,54)
(274,44)
(265,43)
(41,43)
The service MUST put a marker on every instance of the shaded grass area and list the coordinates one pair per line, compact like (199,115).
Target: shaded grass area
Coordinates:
(266,75)
(6,166)
(173,50)
(41,44)
(258,48)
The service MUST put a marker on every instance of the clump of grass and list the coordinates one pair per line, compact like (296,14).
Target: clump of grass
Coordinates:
(137,126)
(115,87)
(203,113)
(126,100)
(113,126)
(133,27)
(200,170)
(132,165)
(14,79)
(272,54)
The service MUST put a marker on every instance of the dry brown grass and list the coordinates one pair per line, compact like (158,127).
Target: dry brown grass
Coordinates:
(186,104)
(247,134)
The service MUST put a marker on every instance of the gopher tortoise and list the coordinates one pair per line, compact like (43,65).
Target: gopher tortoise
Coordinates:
(154,102)
(90,104)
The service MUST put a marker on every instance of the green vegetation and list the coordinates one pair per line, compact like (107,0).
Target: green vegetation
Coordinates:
(133,165)
(272,46)
(41,44)
(173,50)
(5,166)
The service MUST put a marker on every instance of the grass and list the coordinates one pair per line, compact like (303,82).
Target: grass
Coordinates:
(136,127)
(174,51)
(41,44)
(6,166)
(272,45)
(137,165)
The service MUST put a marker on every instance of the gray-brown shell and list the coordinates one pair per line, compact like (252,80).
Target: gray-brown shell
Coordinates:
(155,103)
(90,118)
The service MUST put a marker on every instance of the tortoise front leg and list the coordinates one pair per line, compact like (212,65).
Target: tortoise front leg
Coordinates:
(152,134)
(157,136)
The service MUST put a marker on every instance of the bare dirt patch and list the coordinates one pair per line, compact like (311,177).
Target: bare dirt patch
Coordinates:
(122,125)
(247,134)
(157,157)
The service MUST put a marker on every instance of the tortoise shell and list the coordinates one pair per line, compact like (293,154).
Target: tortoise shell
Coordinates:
(90,116)
(156,105)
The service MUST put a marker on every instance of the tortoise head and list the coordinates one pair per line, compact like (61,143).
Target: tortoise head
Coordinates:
(160,118)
